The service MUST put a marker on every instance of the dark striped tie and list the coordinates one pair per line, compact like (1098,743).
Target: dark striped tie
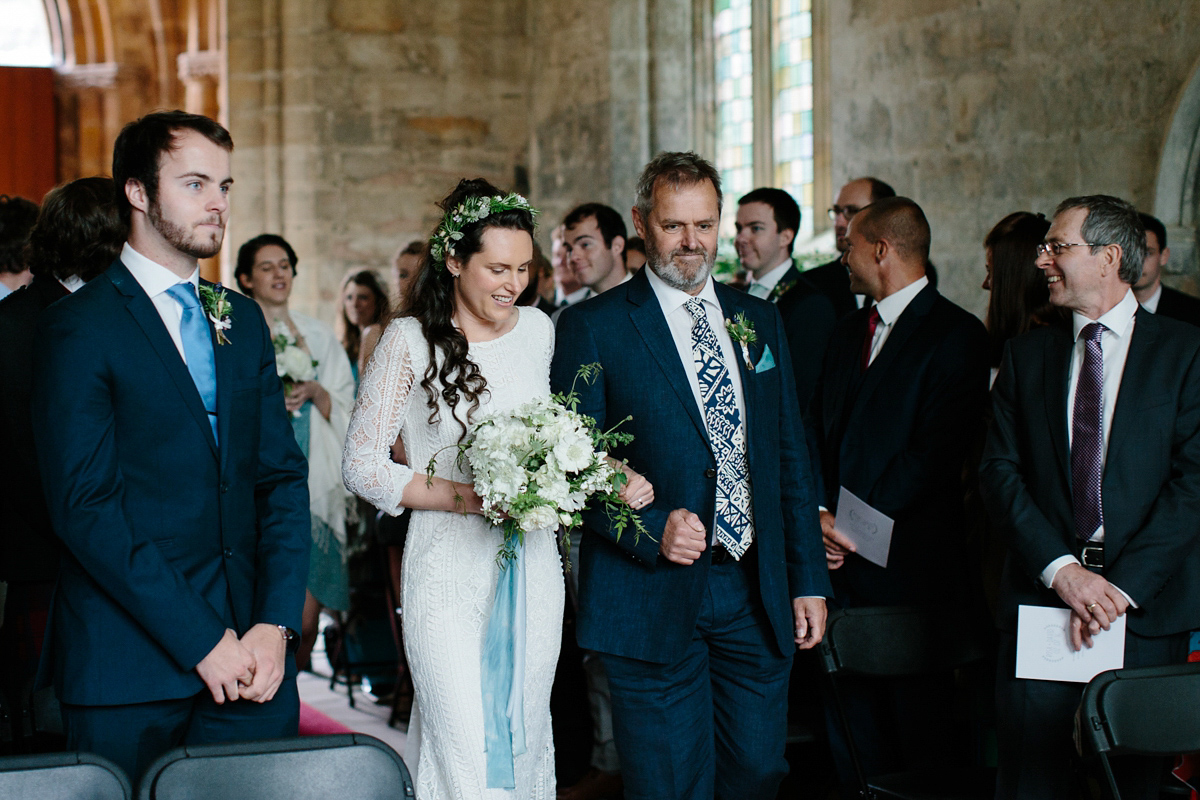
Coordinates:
(1087,436)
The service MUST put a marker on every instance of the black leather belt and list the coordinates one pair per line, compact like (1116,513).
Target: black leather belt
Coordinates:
(1092,555)
(720,555)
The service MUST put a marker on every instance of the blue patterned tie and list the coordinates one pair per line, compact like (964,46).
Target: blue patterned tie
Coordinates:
(1087,436)
(726,435)
(198,348)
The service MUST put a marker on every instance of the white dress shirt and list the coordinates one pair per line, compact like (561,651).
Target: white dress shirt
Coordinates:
(1119,323)
(762,287)
(155,280)
(1151,303)
(72,283)
(890,308)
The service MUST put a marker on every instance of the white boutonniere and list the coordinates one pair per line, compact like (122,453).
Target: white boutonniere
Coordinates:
(741,330)
(218,308)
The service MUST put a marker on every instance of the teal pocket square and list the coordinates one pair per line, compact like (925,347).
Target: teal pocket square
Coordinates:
(767,361)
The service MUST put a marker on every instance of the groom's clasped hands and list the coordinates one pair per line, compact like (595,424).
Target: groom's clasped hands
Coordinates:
(250,668)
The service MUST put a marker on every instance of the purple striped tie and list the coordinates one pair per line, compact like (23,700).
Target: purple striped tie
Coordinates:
(1087,436)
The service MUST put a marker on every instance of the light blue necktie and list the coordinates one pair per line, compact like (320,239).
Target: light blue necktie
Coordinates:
(198,348)
(759,290)
(726,435)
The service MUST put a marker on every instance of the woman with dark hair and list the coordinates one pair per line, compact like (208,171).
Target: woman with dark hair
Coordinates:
(464,350)
(1019,300)
(364,306)
(320,413)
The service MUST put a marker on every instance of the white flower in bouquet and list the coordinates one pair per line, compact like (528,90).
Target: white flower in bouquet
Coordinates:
(537,466)
(539,517)
(295,364)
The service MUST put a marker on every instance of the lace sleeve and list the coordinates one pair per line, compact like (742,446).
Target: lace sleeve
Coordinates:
(383,399)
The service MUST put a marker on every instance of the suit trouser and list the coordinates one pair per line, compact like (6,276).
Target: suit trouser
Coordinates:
(1035,723)
(132,736)
(714,722)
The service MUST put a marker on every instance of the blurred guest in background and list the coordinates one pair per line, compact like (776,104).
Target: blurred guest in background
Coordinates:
(364,304)
(1019,300)
(635,253)
(17,216)
(78,234)
(320,414)
(405,266)
(1149,290)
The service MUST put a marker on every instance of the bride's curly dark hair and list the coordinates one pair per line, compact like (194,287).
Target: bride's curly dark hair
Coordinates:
(432,303)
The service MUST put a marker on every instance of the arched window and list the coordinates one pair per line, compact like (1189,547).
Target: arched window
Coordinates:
(25,34)
(766,134)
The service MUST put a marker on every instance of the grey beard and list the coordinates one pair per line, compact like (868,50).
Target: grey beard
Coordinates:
(672,276)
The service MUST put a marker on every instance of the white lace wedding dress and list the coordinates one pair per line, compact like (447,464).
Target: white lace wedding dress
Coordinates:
(449,570)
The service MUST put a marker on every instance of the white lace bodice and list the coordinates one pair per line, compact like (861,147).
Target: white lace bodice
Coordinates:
(392,401)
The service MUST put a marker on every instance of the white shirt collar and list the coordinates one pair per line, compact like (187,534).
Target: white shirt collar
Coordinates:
(153,277)
(670,298)
(72,283)
(891,307)
(1153,300)
(1117,319)
(771,279)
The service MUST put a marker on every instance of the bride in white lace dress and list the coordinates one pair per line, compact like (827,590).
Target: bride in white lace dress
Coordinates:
(465,350)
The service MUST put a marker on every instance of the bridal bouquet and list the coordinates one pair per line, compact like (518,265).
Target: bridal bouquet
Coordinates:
(538,465)
(293,364)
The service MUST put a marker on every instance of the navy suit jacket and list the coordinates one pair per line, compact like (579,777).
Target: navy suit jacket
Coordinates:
(1151,483)
(633,602)
(170,540)
(1177,305)
(808,320)
(898,436)
(28,549)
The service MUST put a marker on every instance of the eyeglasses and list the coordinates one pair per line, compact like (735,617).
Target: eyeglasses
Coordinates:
(1056,248)
(848,212)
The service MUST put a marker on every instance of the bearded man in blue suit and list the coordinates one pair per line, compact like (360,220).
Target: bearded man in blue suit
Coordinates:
(697,622)
(171,474)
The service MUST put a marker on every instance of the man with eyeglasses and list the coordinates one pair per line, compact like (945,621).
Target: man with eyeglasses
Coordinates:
(832,278)
(1092,472)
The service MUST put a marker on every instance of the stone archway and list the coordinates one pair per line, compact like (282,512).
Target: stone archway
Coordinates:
(1177,192)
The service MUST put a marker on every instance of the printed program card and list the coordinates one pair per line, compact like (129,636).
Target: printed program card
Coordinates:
(1044,647)
(870,530)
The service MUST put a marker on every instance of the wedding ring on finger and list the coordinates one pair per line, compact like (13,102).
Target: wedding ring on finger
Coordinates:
(1090,607)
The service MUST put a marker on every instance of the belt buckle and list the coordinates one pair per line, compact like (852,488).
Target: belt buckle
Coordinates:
(1092,556)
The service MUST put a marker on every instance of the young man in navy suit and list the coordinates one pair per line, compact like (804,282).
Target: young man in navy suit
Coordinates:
(171,474)
(1092,472)
(696,622)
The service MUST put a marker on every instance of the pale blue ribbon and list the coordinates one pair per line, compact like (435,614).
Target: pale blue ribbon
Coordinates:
(503,676)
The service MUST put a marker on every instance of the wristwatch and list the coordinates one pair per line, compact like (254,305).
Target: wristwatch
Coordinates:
(289,636)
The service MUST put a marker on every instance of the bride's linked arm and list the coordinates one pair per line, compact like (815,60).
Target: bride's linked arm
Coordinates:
(367,468)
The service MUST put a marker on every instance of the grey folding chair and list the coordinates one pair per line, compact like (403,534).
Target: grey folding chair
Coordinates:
(1146,711)
(349,765)
(62,776)
(894,642)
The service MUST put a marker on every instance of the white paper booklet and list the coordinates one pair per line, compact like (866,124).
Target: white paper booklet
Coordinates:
(870,530)
(1044,647)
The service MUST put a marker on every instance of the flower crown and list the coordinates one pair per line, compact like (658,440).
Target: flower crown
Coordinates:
(473,209)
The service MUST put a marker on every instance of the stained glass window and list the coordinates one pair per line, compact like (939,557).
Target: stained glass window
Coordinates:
(790,103)
(735,103)
(792,106)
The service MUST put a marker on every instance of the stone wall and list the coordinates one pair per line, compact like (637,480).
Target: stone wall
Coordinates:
(352,117)
(982,108)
